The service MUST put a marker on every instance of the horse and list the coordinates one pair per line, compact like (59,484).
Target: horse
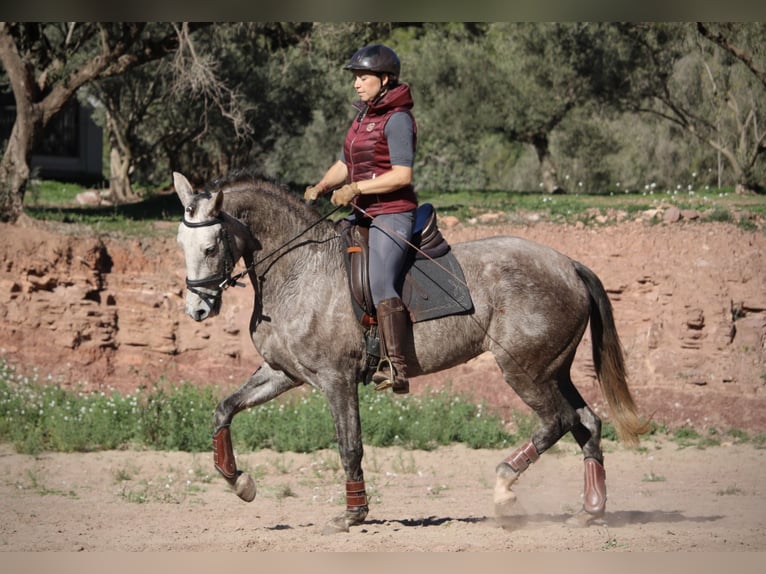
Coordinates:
(531,307)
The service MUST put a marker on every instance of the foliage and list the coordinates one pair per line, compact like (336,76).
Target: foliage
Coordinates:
(602,105)
(303,423)
(39,415)
(46,64)
(55,201)
(678,75)
(42,416)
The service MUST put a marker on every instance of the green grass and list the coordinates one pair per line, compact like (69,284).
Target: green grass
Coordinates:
(38,417)
(596,209)
(55,202)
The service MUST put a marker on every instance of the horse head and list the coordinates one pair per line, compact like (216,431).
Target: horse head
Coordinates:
(212,242)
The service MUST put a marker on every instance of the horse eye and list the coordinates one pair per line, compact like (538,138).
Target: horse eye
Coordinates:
(210,250)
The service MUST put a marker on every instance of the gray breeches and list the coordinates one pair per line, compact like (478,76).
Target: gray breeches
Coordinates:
(389,234)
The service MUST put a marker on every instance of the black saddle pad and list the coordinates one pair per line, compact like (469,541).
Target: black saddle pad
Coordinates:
(436,288)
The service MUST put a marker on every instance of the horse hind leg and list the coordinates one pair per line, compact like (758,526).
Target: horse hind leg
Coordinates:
(557,417)
(587,433)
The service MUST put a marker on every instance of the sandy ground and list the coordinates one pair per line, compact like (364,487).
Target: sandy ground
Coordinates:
(661,498)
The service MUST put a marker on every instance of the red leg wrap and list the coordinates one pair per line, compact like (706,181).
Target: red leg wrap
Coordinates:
(223,454)
(595,487)
(522,457)
(355,494)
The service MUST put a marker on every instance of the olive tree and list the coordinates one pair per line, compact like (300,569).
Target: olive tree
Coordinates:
(707,80)
(47,63)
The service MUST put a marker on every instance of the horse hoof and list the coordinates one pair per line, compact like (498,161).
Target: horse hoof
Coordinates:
(336,525)
(503,497)
(583,519)
(245,487)
(506,476)
(342,523)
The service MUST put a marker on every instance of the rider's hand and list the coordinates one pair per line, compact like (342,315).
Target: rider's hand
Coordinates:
(345,194)
(313,191)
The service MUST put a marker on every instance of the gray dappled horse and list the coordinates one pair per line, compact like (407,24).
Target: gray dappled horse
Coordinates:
(532,305)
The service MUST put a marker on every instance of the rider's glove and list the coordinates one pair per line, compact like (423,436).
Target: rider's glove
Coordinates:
(345,194)
(313,191)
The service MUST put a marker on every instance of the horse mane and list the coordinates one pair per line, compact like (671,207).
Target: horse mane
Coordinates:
(261,201)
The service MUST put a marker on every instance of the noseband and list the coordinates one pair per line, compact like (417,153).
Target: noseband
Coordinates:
(216,283)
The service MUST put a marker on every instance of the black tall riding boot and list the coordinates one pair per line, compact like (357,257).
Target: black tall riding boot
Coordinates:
(395,330)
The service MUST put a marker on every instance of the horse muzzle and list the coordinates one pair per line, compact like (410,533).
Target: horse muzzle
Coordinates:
(202,303)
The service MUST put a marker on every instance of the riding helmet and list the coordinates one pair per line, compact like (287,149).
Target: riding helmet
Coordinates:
(376,58)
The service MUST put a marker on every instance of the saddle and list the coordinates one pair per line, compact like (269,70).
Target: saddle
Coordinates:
(433,283)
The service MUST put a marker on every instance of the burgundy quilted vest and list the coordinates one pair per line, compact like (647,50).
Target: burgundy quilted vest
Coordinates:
(367,155)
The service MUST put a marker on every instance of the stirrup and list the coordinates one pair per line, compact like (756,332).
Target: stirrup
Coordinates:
(381,377)
(387,379)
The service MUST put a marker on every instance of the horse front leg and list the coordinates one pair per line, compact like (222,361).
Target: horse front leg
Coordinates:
(262,386)
(343,399)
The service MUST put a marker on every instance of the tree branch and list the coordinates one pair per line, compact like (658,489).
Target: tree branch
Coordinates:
(743,56)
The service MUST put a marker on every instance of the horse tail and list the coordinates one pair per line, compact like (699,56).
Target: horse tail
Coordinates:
(609,361)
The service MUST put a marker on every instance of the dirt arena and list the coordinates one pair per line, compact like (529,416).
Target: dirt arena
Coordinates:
(690,304)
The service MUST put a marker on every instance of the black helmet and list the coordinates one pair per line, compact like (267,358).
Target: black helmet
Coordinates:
(376,58)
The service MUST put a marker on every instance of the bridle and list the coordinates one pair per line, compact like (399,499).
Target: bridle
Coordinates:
(215,283)
(218,283)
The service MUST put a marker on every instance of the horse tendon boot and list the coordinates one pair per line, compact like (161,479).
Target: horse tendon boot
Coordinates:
(393,322)
(223,454)
(520,459)
(595,488)
(223,461)
(509,470)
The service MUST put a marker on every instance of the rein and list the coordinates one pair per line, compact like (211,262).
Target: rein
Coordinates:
(225,280)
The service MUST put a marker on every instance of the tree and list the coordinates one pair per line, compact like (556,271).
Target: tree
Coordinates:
(127,102)
(154,110)
(47,63)
(515,81)
(708,82)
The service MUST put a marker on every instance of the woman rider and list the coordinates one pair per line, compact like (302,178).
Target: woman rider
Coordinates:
(374,175)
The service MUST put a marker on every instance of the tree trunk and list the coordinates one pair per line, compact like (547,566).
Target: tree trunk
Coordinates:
(120,161)
(32,115)
(46,77)
(14,174)
(547,167)
(14,166)
(120,189)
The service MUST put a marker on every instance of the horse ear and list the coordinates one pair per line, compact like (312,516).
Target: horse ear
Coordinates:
(211,208)
(218,202)
(183,188)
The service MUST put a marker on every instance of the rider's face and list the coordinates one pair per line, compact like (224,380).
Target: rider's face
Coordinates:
(368,85)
